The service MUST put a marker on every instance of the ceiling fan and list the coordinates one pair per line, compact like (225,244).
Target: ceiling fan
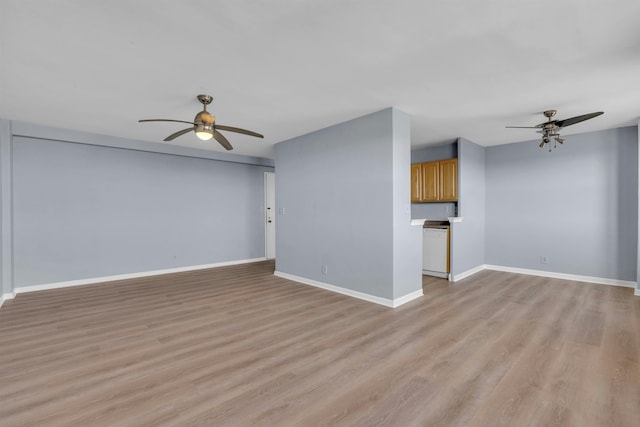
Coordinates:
(204,125)
(551,127)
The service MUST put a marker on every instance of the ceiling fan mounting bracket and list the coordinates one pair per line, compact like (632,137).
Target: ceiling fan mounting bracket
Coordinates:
(550,113)
(205,99)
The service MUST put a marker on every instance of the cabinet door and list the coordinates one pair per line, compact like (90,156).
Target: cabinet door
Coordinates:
(416,183)
(449,180)
(430,182)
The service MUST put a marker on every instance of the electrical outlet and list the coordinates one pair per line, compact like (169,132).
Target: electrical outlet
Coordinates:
(544,259)
(325,269)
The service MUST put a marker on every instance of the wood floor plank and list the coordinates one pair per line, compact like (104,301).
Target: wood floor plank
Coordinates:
(239,346)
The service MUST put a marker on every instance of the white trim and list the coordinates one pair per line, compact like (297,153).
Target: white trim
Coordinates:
(418,222)
(6,297)
(564,276)
(469,272)
(351,293)
(397,302)
(455,219)
(637,293)
(91,281)
(551,274)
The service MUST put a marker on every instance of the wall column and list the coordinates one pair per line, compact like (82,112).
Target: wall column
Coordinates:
(6,210)
(344,216)
(637,292)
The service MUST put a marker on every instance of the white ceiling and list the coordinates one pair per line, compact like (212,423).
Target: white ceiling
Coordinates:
(285,68)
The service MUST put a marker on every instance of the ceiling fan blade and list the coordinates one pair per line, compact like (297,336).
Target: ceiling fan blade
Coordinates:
(547,123)
(164,120)
(238,130)
(222,140)
(578,119)
(522,127)
(177,134)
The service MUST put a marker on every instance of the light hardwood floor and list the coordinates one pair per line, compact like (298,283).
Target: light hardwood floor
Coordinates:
(239,346)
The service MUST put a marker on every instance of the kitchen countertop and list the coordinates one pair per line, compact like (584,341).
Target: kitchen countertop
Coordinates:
(420,221)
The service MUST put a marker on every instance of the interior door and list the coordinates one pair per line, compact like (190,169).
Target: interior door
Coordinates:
(270,215)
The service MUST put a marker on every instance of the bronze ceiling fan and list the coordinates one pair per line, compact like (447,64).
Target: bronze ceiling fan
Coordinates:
(205,127)
(551,127)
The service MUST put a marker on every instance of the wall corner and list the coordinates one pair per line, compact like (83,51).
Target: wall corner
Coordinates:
(6,209)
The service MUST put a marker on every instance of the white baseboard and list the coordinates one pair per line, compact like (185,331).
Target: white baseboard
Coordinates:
(637,292)
(564,276)
(397,302)
(551,274)
(94,280)
(468,273)
(439,274)
(6,297)
(393,303)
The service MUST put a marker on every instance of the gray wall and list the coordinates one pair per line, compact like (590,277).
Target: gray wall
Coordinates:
(435,152)
(468,237)
(82,210)
(433,211)
(577,205)
(336,187)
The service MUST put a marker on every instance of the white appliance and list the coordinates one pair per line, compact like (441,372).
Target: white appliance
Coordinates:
(435,251)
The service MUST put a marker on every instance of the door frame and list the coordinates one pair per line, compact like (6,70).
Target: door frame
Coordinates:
(269,215)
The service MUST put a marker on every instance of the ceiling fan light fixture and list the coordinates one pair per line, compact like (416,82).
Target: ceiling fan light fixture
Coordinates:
(203,133)
(205,136)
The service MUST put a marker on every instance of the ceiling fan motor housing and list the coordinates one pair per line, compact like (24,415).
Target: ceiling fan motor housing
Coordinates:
(205,118)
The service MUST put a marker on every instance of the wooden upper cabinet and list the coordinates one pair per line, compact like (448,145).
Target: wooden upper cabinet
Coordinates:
(449,180)
(434,181)
(416,183)
(430,181)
